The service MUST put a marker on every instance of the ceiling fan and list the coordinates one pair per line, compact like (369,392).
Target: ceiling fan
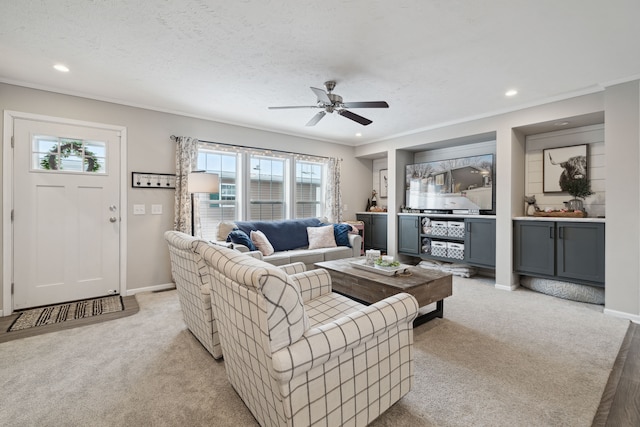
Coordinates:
(331,102)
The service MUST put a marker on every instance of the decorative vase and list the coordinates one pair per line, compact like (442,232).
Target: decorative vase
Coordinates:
(575,205)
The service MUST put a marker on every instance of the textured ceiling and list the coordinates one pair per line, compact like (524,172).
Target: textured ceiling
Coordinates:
(434,62)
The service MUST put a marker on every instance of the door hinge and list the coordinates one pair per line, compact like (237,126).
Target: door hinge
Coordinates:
(12,286)
(11,215)
(12,141)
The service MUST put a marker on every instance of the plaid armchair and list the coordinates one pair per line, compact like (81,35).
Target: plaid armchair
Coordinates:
(299,354)
(192,283)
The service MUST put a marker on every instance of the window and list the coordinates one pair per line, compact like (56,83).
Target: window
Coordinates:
(267,188)
(259,185)
(221,206)
(308,189)
(53,154)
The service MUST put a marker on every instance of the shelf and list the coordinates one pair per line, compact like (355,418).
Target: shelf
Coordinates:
(436,237)
(441,258)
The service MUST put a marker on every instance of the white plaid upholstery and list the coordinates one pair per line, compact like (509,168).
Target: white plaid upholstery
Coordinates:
(192,283)
(350,364)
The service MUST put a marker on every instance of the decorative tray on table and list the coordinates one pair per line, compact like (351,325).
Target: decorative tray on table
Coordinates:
(387,271)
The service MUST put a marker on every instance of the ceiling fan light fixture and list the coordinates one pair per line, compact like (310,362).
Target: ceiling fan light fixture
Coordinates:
(332,102)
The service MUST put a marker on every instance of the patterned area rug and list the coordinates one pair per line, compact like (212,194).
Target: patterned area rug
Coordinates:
(62,312)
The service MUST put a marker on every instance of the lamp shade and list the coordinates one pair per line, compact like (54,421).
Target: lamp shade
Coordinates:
(200,182)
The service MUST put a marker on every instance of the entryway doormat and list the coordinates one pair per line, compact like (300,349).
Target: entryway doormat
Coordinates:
(63,312)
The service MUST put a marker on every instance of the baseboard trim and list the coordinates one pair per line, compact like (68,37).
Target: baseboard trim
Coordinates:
(506,287)
(1,313)
(633,317)
(155,288)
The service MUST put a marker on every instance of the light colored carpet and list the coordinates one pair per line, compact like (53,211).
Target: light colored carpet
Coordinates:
(497,359)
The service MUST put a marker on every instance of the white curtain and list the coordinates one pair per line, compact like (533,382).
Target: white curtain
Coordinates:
(333,193)
(186,162)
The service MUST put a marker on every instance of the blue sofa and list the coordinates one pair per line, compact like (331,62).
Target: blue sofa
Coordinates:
(290,241)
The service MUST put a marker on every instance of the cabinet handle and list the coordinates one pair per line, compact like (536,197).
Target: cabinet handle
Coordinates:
(551,233)
(416,223)
(468,227)
(560,233)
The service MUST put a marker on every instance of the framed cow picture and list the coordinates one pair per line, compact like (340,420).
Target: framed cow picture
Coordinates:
(562,164)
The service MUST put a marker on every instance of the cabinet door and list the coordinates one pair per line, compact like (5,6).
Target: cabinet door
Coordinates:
(580,249)
(534,247)
(379,232)
(480,242)
(409,234)
(366,219)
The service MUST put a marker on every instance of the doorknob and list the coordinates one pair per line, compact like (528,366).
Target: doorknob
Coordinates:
(113,219)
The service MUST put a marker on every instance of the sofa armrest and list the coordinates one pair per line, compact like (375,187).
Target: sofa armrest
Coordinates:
(355,240)
(255,254)
(312,283)
(239,247)
(293,268)
(321,344)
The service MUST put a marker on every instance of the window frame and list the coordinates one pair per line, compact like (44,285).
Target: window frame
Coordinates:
(290,161)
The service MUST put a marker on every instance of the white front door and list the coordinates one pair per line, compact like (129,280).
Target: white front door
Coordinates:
(66,219)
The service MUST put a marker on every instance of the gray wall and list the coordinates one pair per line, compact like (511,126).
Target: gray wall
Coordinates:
(622,148)
(149,149)
(621,108)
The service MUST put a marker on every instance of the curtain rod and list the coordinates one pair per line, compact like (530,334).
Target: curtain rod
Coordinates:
(173,138)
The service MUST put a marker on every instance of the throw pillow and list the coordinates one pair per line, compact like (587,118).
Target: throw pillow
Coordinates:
(261,242)
(224,228)
(321,237)
(341,233)
(241,238)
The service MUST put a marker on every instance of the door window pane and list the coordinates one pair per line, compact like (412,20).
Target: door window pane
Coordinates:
(53,154)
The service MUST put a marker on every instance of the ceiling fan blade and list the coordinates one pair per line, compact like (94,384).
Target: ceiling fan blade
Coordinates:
(369,104)
(315,119)
(355,117)
(293,106)
(321,95)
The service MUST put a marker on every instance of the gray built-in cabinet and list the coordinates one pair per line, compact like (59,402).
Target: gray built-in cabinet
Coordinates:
(565,250)
(469,240)
(375,230)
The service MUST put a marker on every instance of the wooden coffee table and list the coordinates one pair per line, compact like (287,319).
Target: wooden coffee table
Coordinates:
(427,286)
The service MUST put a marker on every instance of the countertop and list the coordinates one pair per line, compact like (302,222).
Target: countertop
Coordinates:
(557,218)
(447,215)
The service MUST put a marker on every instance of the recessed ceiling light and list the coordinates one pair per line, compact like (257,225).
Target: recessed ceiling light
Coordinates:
(358,134)
(564,123)
(511,92)
(62,68)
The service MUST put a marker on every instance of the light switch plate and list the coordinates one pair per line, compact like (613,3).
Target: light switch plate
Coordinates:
(156,209)
(139,210)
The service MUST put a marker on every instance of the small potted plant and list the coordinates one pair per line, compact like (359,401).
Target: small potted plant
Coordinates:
(579,189)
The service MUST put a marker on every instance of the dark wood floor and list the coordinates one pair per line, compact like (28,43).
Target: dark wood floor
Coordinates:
(620,404)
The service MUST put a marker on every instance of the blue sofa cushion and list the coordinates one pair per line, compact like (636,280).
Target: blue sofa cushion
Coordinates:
(241,238)
(341,233)
(284,235)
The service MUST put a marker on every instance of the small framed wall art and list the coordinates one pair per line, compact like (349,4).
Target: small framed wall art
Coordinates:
(563,164)
(384,183)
